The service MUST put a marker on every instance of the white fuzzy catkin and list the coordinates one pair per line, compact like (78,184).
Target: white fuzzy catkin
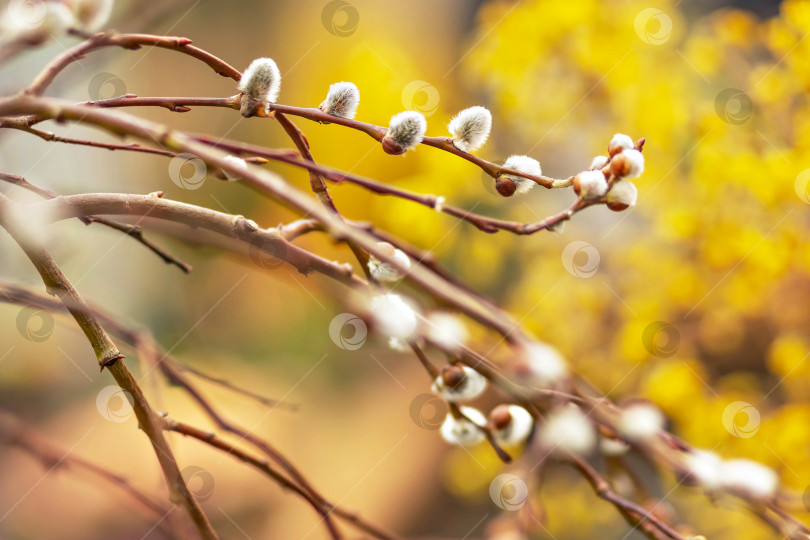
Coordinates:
(592,184)
(704,467)
(91,15)
(518,429)
(261,82)
(461,431)
(394,316)
(640,421)
(624,192)
(470,128)
(546,366)
(445,330)
(620,142)
(636,161)
(406,129)
(598,162)
(472,385)
(523,164)
(341,100)
(384,272)
(567,429)
(748,478)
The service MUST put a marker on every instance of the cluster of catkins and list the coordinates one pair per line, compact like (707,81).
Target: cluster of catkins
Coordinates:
(39,22)
(565,429)
(470,129)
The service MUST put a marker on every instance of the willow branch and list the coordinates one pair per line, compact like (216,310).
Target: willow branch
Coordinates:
(13,431)
(649,524)
(131,42)
(15,123)
(170,368)
(321,506)
(108,356)
(435,202)
(133,231)
(274,186)
(270,241)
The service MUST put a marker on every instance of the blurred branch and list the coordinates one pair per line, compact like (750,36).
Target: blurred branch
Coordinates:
(168,366)
(321,506)
(270,241)
(130,42)
(652,527)
(108,356)
(13,431)
(133,231)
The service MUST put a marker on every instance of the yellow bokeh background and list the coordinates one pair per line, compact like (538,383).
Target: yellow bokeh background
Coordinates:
(715,249)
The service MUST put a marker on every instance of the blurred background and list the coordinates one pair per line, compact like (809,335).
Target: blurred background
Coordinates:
(695,299)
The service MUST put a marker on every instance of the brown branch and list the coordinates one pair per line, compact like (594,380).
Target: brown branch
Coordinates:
(267,240)
(272,185)
(108,356)
(318,185)
(442,143)
(133,231)
(635,515)
(481,222)
(224,383)
(131,42)
(15,123)
(169,367)
(321,506)
(13,431)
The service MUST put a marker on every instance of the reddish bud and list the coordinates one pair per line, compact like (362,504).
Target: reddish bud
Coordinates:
(505,186)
